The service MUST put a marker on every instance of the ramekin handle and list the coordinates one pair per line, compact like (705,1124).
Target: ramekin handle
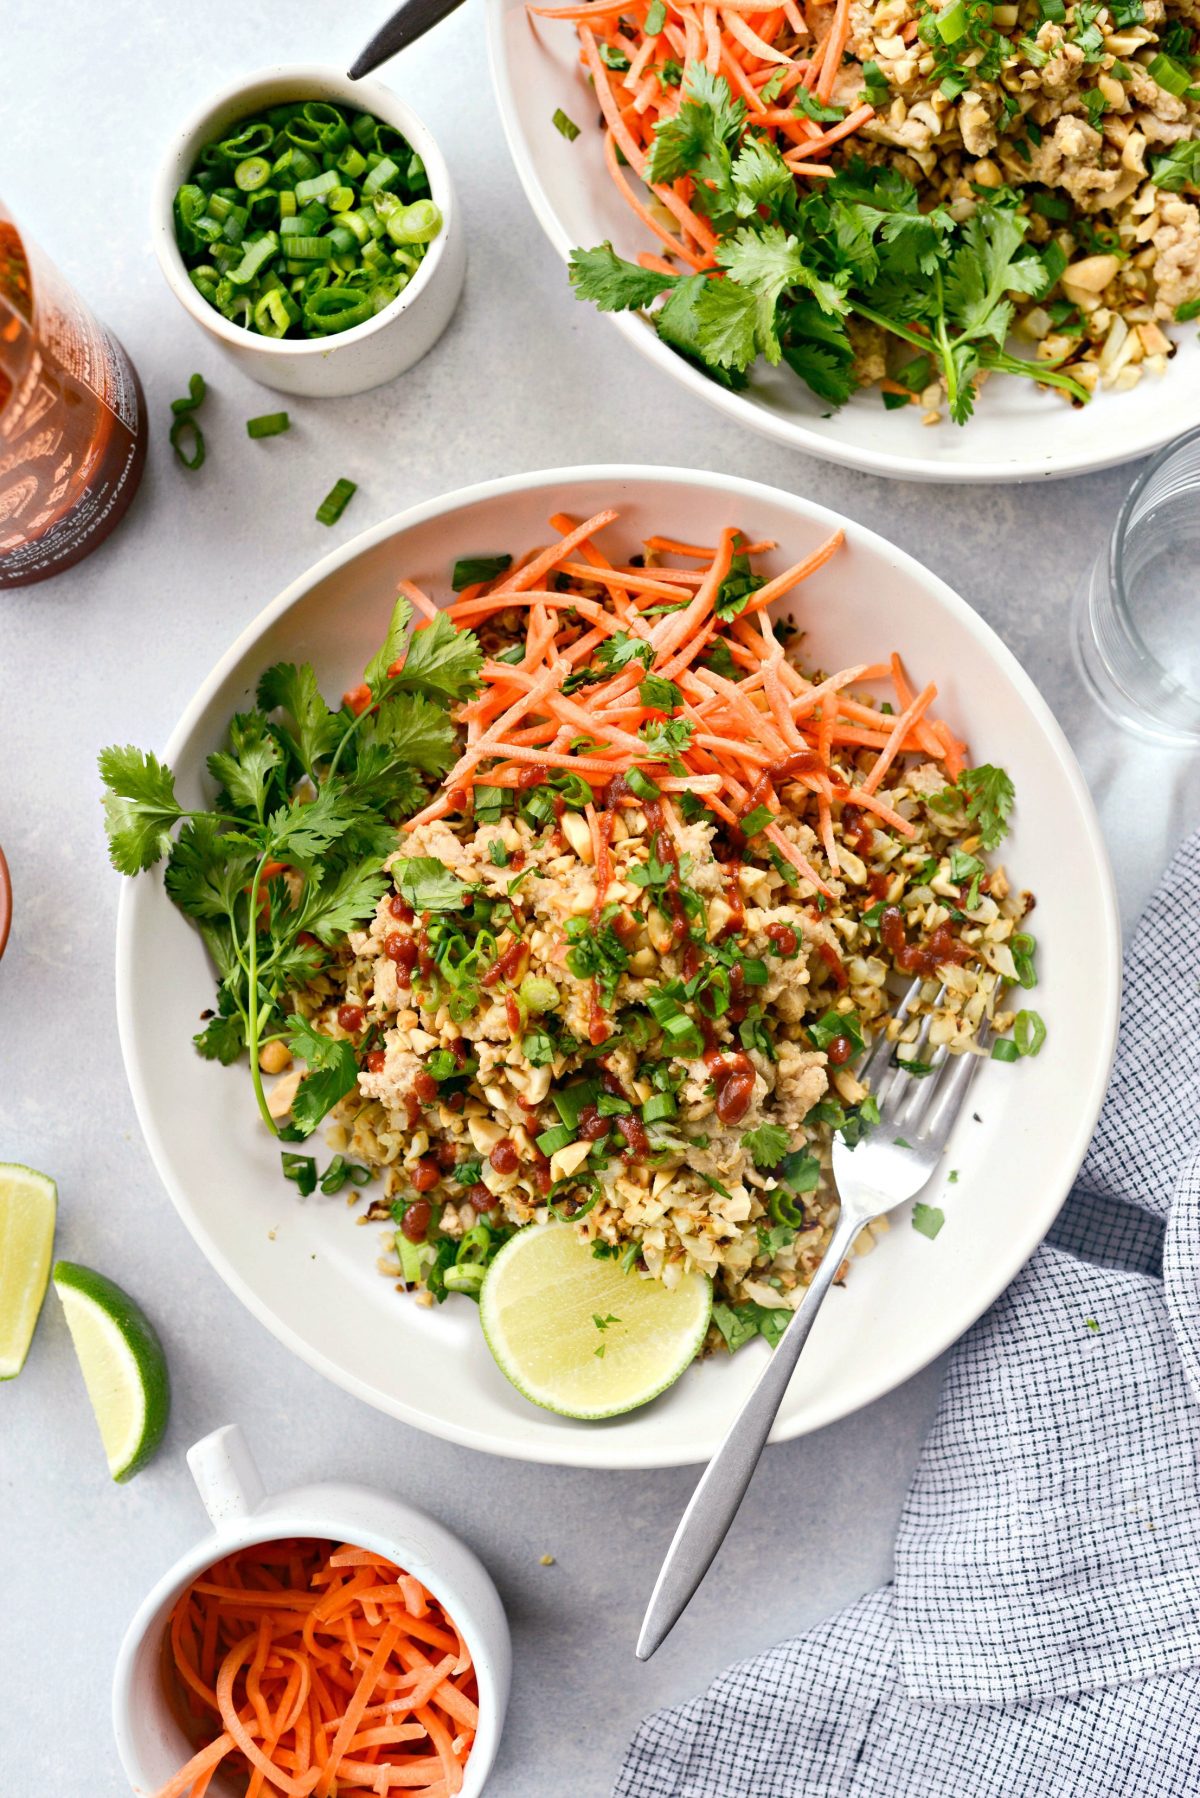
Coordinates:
(226,1475)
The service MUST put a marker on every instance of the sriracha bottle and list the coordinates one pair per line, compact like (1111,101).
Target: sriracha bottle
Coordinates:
(72,420)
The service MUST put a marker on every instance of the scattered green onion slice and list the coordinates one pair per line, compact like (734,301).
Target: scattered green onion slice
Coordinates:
(268,424)
(186,437)
(565,126)
(336,501)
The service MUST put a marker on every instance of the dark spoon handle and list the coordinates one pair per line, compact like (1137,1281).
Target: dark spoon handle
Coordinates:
(406,25)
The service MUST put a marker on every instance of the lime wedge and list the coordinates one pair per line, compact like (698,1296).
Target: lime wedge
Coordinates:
(124,1368)
(583,1337)
(28,1204)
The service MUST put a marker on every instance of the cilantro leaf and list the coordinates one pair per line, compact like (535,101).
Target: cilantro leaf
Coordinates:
(761,177)
(442,662)
(293,690)
(1179,168)
(223,1037)
(242,771)
(765,262)
(139,808)
(768,1144)
(342,903)
(739,1324)
(209,869)
(409,731)
(986,795)
(332,1073)
(696,140)
(613,284)
(392,648)
(666,741)
(986,265)
(927,1220)
(714,321)
(616,652)
(428,884)
(663,695)
(305,830)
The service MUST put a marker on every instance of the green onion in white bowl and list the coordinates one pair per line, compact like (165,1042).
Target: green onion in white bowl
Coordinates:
(310,226)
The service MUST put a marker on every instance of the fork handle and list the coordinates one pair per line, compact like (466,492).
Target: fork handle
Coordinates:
(715,1502)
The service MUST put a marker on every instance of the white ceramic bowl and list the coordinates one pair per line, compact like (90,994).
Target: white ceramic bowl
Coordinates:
(367,354)
(150,1741)
(310,1276)
(1017,434)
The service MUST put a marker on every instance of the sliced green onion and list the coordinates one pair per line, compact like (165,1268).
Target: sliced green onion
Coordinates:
(337,309)
(256,254)
(468,570)
(466,1278)
(336,501)
(384,172)
(304,187)
(302,1169)
(570,1101)
(1029,1032)
(1004,1049)
(658,1107)
(268,424)
(551,1141)
(1187,310)
(251,174)
(1169,74)
(565,126)
(186,437)
(641,785)
(952,22)
(318,187)
(538,994)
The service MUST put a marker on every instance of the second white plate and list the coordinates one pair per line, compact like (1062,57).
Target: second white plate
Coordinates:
(1017,434)
(301,1265)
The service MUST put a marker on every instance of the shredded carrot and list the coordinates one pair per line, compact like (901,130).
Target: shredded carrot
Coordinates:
(610,624)
(319,1670)
(745,41)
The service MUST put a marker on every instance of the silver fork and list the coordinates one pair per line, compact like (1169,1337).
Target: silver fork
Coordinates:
(886,1168)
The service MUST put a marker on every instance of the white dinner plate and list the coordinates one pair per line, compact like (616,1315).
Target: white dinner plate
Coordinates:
(309,1274)
(1017,434)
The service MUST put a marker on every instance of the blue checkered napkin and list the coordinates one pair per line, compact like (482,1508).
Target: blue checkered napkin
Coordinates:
(1044,1625)
(826,1716)
(1050,1544)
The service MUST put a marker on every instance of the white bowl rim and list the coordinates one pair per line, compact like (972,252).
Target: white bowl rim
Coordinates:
(363,96)
(576,1449)
(743,410)
(316,1512)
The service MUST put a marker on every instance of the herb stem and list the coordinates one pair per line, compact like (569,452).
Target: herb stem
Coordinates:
(889,324)
(252,1013)
(945,348)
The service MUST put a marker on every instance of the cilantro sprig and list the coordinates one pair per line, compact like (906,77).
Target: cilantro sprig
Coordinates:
(795,267)
(288,857)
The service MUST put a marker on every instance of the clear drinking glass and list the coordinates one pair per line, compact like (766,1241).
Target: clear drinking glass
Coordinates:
(1137,616)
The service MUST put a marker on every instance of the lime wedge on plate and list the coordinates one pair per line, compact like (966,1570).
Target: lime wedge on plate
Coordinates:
(583,1337)
(28,1204)
(124,1368)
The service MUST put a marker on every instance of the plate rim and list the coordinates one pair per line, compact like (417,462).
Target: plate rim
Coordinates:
(585,1448)
(794,435)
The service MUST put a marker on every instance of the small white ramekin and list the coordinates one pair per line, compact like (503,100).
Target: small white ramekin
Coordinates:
(151,1743)
(367,354)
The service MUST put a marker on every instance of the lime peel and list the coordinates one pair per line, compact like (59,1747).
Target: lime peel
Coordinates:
(580,1336)
(122,1362)
(28,1208)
